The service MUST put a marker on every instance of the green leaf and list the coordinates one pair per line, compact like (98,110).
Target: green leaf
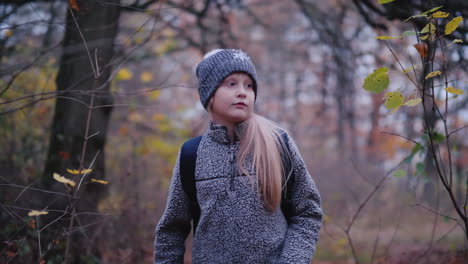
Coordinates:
(419,169)
(399,173)
(385,1)
(437,137)
(411,17)
(453,25)
(386,37)
(377,81)
(416,149)
(413,102)
(407,33)
(394,100)
(432,10)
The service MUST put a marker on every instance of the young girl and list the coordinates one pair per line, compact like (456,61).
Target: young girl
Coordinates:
(257,201)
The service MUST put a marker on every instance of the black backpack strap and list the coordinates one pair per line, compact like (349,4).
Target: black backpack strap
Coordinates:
(188,159)
(288,181)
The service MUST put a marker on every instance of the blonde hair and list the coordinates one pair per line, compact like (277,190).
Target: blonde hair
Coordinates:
(263,143)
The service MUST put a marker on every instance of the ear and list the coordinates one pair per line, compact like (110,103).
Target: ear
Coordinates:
(210,104)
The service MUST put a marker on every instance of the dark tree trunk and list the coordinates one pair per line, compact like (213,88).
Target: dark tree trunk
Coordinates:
(79,85)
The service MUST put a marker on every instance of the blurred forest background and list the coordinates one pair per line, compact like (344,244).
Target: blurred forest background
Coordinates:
(96,98)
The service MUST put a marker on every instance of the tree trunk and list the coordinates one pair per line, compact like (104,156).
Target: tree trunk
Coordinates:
(80,85)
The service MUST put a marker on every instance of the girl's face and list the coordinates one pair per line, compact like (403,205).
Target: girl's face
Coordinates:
(233,100)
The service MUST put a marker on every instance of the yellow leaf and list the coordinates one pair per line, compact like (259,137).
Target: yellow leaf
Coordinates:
(124,74)
(454,90)
(8,33)
(428,31)
(146,77)
(79,172)
(386,37)
(36,213)
(393,100)
(385,1)
(413,102)
(154,95)
(99,181)
(433,74)
(453,25)
(63,180)
(457,41)
(440,14)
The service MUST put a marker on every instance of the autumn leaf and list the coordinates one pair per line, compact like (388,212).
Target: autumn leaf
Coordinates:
(32,223)
(428,31)
(394,100)
(440,14)
(432,10)
(99,181)
(454,90)
(377,81)
(422,49)
(8,33)
(146,77)
(385,1)
(154,95)
(74,5)
(433,74)
(386,37)
(79,171)
(37,213)
(453,25)
(124,74)
(413,102)
(63,180)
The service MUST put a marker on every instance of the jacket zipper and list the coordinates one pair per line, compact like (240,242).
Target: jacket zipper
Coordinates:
(231,160)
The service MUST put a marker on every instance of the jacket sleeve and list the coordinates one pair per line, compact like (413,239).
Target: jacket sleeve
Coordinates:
(303,212)
(174,226)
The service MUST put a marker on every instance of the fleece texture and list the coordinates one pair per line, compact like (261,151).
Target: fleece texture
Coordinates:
(234,226)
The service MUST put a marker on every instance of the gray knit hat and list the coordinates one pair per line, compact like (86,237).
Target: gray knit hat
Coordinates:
(216,66)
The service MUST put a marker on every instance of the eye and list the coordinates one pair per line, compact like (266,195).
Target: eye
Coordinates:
(250,85)
(232,84)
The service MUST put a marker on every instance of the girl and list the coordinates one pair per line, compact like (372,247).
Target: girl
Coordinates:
(257,201)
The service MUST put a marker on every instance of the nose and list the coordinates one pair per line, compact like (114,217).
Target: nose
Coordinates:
(242,91)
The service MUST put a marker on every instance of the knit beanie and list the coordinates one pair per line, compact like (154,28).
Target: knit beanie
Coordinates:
(216,66)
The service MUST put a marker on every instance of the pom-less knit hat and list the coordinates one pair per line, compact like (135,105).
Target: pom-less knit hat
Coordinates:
(216,66)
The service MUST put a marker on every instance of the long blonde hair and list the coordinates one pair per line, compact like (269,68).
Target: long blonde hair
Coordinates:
(263,143)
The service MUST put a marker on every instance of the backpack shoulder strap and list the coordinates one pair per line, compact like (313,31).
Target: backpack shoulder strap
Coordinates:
(288,181)
(188,159)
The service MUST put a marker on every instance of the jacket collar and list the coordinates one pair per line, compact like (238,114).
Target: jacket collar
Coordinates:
(219,132)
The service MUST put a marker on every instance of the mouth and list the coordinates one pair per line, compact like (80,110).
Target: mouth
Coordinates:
(240,104)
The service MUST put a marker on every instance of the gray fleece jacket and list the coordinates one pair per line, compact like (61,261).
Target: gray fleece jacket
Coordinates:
(234,226)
